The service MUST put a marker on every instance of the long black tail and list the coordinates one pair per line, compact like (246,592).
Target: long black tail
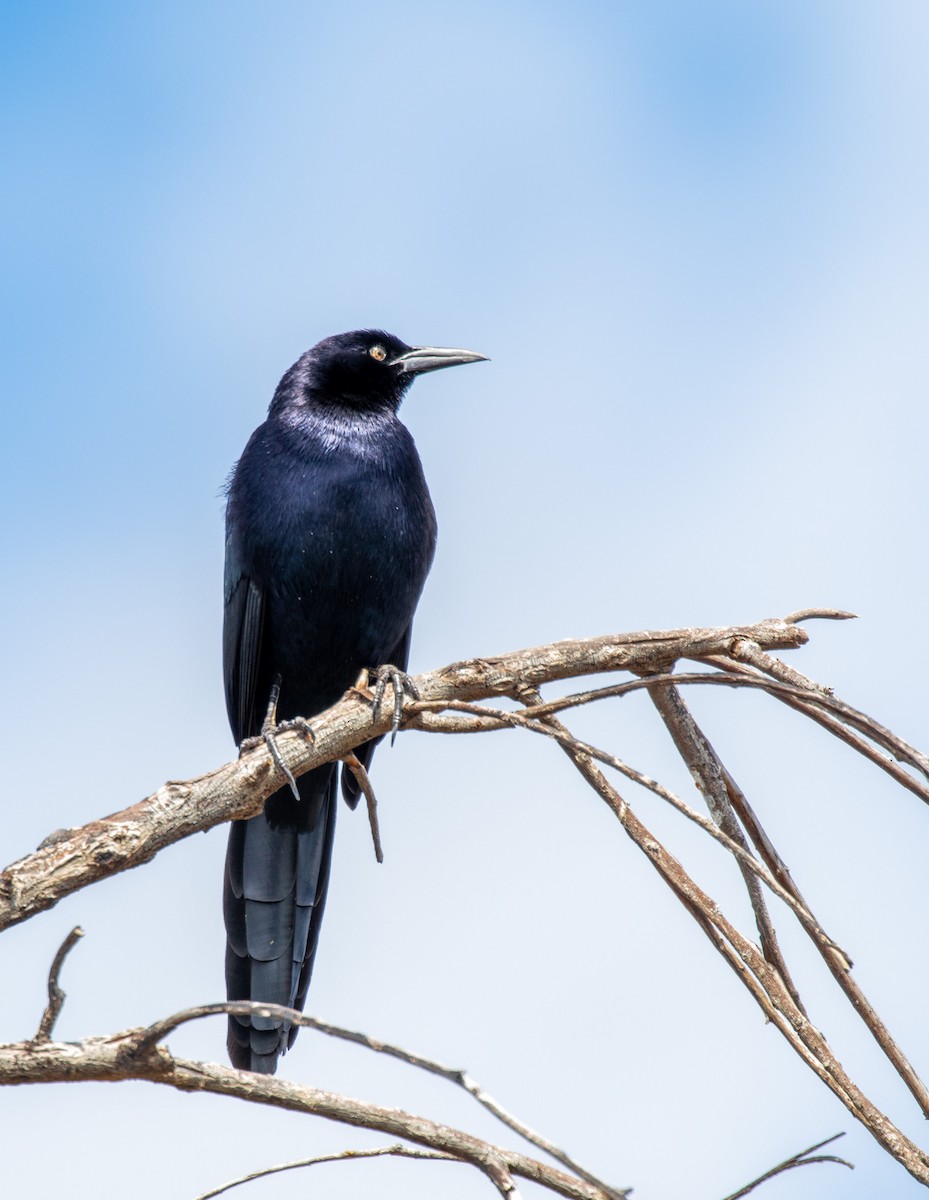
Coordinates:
(277,873)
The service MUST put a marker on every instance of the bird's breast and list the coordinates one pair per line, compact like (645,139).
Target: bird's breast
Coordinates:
(341,543)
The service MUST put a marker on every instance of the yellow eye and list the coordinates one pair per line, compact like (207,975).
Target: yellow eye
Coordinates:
(378,353)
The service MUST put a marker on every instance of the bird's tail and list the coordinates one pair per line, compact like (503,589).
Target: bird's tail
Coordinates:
(277,872)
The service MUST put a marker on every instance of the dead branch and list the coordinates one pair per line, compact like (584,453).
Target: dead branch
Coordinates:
(397,1151)
(161,1029)
(56,997)
(71,859)
(445,701)
(130,1055)
(805,1158)
(137,1054)
(709,775)
(355,765)
(759,976)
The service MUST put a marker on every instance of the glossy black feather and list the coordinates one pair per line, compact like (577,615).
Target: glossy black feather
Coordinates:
(330,533)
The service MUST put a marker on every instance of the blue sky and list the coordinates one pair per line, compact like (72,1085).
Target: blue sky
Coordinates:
(691,238)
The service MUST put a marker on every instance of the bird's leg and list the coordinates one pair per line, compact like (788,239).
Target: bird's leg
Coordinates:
(269,724)
(268,729)
(402,683)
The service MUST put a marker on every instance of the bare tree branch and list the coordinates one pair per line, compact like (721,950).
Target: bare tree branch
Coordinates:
(56,997)
(447,702)
(72,859)
(134,1052)
(398,1150)
(751,968)
(804,1159)
(357,768)
(129,1055)
(774,874)
(708,774)
(161,1029)
(487,719)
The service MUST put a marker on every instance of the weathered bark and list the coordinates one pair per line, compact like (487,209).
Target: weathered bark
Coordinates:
(71,859)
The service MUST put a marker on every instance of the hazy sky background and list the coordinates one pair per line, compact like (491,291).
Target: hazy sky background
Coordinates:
(692,238)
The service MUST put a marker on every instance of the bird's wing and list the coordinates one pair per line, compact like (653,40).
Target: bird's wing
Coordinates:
(243,633)
(399,658)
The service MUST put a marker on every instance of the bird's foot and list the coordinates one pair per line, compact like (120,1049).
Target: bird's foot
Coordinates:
(298,725)
(269,728)
(402,684)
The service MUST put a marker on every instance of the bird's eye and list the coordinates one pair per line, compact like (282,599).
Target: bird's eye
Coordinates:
(378,353)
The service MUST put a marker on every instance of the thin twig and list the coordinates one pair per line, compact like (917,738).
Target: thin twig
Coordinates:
(707,772)
(744,650)
(840,970)
(56,997)
(462,1079)
(502,719)
(106,1059)
(144,1041)
(764,983)
(398,1150)
(816,703)
(773,872)
(804,1159)
(363,779)
(807,701)
(820,614)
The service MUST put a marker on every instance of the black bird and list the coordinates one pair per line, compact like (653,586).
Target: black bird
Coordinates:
(330,533)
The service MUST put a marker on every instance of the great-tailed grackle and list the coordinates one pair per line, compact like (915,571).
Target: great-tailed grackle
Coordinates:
(330,534)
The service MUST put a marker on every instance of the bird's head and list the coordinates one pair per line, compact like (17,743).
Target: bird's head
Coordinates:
(365,369)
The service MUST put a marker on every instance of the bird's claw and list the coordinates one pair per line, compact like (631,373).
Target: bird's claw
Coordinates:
(267,738)
(298,725)
(269,730)
(269,727)
(402,684)
(271,742)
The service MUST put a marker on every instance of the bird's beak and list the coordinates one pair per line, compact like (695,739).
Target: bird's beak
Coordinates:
(433,358)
